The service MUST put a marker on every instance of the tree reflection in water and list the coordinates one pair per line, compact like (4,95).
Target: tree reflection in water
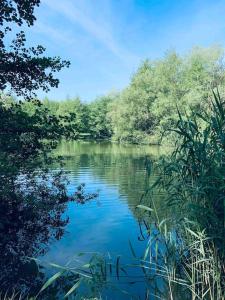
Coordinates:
(32,217)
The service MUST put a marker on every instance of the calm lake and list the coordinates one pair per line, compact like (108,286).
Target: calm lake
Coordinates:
(105,224)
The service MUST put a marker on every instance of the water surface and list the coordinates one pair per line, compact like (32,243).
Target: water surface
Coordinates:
(119,173)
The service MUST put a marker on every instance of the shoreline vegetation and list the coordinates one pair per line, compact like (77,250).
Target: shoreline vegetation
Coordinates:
(144,111)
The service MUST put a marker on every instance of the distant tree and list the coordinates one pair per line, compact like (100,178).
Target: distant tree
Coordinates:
(99,122)
(90,120)
(77,111)
(52,106)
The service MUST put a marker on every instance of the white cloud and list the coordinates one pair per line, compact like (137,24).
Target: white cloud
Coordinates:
(53,33)
(95,29)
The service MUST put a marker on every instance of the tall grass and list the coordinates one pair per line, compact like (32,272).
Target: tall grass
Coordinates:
(194,176)
(193,179)
(169,268)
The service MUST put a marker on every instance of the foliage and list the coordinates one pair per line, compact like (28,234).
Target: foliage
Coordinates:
(17,11)
(78,110)
(171,267)
(88,119)
(27,139)
(24,70)
(99,124)
(193,179)
(29,221)
(32,199)
(194,176)
(147,107)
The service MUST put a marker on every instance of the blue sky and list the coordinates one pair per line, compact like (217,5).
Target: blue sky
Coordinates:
(106,40)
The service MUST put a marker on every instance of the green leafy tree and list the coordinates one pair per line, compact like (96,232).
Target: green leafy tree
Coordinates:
(52,106)
(77,110)
(24,70)
(99,122)
(148,106)
(88,119)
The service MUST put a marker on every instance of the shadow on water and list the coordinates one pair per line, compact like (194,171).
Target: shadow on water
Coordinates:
(31,218)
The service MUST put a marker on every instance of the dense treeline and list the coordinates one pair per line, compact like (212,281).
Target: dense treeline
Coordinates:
(147,108)
(88,119)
